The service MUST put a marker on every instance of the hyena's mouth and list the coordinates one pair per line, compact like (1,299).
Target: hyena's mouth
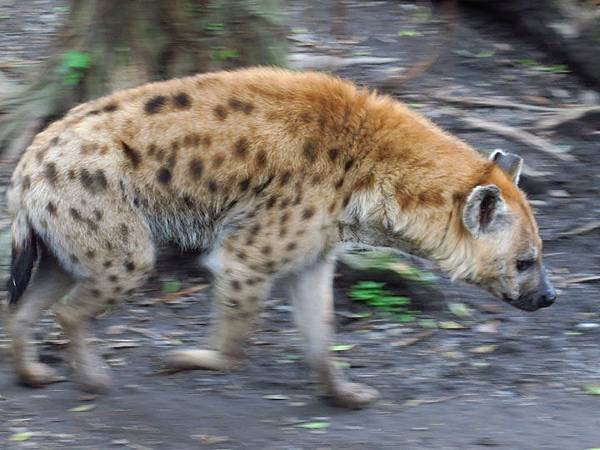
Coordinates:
(522,303)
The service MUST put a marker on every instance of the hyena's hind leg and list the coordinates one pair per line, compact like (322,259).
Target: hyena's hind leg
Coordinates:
(91,297)
(311,292)
(48,285)
(239,295)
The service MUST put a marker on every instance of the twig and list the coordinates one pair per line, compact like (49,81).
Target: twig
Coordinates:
(493,103)
(175,295)
(582,229)
(583,279)
(566,116)
(518,135)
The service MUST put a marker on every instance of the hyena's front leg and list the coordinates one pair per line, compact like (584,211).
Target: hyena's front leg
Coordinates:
(312,295)
(239,295)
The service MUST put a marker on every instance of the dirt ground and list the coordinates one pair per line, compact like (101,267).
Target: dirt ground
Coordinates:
(504,379)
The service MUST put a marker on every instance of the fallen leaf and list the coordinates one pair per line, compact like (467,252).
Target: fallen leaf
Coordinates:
(341,347)
(83,408)
(460,310)
(412,339)
(20,437)
(171,286)
(314,425)
(276,397)
(451,325)
(592,389)
(484,349)
(487,327)
(208,439)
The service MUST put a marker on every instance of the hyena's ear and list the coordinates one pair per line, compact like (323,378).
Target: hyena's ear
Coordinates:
(510,163)
(484,210)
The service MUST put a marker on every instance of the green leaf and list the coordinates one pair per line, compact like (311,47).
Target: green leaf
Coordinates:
(171,286)
(20,437)
(409,33)
(315,425)
(83,408)
(428,324)
(592,389)
(341,347)
(214,27)
(460,310)
(77,60)
(450,325)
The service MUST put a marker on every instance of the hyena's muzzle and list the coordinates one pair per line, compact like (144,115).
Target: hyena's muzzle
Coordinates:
(541,297)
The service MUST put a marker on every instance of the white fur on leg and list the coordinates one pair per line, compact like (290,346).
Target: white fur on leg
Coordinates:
(312,296)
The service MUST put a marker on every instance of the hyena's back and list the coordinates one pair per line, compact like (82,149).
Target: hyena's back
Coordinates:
(185,161)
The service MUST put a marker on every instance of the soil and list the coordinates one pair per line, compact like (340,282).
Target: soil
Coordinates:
(505,379)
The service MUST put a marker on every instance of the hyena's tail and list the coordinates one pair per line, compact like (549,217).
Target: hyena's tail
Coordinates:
(24,256)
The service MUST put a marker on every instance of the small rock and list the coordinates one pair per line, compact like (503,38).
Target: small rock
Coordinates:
(586,326)
(589,97)
(558,193)
(560,93)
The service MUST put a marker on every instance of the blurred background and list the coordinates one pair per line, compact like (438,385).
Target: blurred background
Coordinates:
(456,368)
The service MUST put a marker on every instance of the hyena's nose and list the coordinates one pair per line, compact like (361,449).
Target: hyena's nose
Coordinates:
(547,299)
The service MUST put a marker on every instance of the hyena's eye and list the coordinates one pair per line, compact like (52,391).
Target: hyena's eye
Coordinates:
(524,264)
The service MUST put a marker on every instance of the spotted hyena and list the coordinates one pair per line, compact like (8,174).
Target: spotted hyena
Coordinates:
(268,171)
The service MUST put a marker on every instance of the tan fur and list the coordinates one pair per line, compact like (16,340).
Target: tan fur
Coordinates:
(268,170)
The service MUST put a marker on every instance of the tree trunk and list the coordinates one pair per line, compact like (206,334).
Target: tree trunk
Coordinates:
(113,44)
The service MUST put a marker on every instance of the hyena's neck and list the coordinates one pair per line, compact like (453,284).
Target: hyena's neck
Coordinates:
(415,204)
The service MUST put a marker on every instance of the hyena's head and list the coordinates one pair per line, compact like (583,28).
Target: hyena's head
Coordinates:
(500,237)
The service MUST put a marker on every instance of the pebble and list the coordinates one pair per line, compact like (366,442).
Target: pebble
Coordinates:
(586,326)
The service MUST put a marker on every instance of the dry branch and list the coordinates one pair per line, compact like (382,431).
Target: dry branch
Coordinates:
(517,135)
(566,116)
(492,103)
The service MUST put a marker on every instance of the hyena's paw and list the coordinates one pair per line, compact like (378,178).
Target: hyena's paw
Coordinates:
(352,395)
(93,375)
(38,375)
(189,359)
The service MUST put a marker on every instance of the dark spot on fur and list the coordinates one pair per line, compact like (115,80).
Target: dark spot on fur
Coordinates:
(130,291)
(346,201)
(241,148)
(95,182)
(241,255)
(218,160)
(255,229)
(163,175)
(97,214)
(247,108)
(182,100)
(331,208)
(155,104)
(132,155)
(116,289)
(235,104)
(308,212)
(90,254)
(113,278)
(75,214)
(310,151)
(96,292)
(316,179)
(50,172)
(244,184)
(261,158)
(266,250)
(270,202)
(261,187)
(26,183)
(291,246)
(129,266)
(71,174)
(93,112)
(196,168)
(160,155)
(151,149)
(111,107)
(54,140)
(348,165)
(339,183)
(212,186)
(284,203)
(107,263)
(282,231)
(51,208)
(220,112)
(285,178)
(236,285)
(333,154)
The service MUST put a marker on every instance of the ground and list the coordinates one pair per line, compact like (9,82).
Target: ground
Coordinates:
(505,379)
